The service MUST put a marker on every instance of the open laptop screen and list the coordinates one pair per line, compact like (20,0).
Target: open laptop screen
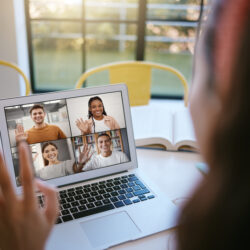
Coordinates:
(70,135)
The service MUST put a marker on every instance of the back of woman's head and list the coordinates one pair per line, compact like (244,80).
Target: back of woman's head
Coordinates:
(217,215)
(226,41)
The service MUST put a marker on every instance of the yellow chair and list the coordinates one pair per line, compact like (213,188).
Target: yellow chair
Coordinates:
(137,76)
(14,66)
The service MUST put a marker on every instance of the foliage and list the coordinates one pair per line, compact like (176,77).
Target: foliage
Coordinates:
(58,38)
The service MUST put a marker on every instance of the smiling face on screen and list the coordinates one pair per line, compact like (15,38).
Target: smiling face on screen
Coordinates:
(50,153)
(96,109)
(104,145)
(38,115)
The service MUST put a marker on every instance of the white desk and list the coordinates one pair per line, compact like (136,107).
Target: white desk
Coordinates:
(176,175)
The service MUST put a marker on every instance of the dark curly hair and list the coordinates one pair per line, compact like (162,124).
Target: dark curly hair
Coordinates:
(90,115)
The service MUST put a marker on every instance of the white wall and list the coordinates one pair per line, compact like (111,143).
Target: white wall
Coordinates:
(21,42)
(13,47)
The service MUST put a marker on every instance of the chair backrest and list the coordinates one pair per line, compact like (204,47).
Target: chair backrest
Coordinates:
(137,76)
(15,67)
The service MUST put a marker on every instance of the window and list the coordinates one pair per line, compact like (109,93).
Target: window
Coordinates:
(67,37)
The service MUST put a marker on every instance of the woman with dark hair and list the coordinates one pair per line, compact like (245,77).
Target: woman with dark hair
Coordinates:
(53,168)
(217,215)
(98,120)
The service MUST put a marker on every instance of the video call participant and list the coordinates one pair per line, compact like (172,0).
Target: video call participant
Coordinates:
(53,168)
(98,119)
(107,157)
(41,131)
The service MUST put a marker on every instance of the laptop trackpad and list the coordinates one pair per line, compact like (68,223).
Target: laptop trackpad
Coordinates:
(111,229)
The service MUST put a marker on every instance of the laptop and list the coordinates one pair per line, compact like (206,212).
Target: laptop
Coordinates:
(85,146)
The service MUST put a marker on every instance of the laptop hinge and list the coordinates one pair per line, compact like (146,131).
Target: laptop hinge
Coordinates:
(92,179)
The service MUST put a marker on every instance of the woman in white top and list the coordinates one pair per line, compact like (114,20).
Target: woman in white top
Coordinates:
(98,119)
(53,168)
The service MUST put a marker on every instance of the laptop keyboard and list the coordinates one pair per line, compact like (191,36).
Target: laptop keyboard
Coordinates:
(101,196)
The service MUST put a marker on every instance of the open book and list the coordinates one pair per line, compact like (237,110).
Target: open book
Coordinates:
(160,128)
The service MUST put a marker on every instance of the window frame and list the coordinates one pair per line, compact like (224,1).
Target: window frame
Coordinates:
(141,23)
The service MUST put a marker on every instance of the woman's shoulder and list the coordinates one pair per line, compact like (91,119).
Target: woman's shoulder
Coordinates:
(66,163)
(108,118)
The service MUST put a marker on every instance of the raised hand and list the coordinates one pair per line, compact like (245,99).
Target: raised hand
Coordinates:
(84,156)
(23,225)
(83,126)
(20,134)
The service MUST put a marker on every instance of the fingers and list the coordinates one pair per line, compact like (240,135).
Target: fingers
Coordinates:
(88,149)
(90,156)
(83,154)
(51,208)
(25,163)
(80,151)
(80,122)
(20,134)
(17,133)
(77,122)
(87,152)
(85,124)
(85,148)
(6,188)
(20,128)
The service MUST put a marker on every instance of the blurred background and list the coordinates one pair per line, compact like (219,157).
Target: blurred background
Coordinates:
(64,38)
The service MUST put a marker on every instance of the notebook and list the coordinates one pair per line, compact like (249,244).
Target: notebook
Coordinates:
(82,142)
